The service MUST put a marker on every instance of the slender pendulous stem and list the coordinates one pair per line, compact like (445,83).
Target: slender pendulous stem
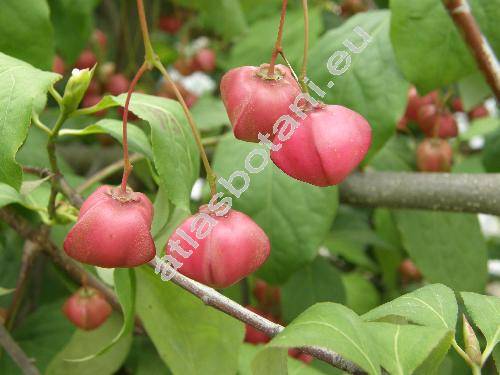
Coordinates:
(303,71)
(279,38)
(127,166)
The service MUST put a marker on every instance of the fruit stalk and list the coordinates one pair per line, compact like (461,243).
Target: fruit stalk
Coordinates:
(152,59)
(277,46)
(303,71)
(127,166)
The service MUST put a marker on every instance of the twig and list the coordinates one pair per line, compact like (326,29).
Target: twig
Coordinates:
(214,299)
(30,251)
(486,60)
(16,353)
(74,198)
(106,172)
(429,191)
(277,47)
(127,165)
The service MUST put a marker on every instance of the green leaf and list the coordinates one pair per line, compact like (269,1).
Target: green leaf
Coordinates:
(84,342)
(271,361)
(225,17)
(485,313)
(396,155)
(190,337)
(124,282)
(371,84)
(175,153)
(73,24)
(209,114)
(5,291)
(144,359)
(423,32)
(491,152)
(473,90)
(480,127)
(447,248)
(316,282)
(20,86)
(41,336)
(404,348)
(256,46)
(334,327)
(137,140)
(295,216)
(257,358)
(388,258)
(26,33)
(9,195)
(432,306)
(361,295)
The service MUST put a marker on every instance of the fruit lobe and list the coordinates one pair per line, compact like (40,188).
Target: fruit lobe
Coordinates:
(409,271)
(267,296)
(86,60)
(230,247)
(58,65)
(113,230)
(117,84)
(478,112)
(204,60)
(328,144)
(415,102)
(254,102)
(170,24)
(434,155)
(434,122)
(87,309)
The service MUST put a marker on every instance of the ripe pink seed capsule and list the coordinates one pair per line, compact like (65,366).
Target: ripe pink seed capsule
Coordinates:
(113,230)
(87,308)
(326,146)
(204,60)
(254,101)
(117,84)
(229,247)
(434,155)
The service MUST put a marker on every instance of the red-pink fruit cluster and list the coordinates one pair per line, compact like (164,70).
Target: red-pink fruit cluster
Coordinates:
(170,24)
(229,247)
(409,271)
(328,144)
(113,229)
(434,155)
(254,101)
(87,308)
(204,60)
(117,84)
(436,122)
(253,335)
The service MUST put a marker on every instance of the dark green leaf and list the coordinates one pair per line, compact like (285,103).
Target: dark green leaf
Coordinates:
(73,24)
(20,86)
(447,248)
(26,33)
(361,295)
(317,282)
(190,337)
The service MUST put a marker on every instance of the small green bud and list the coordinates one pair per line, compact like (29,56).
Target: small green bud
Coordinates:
(471,342)
(75,88)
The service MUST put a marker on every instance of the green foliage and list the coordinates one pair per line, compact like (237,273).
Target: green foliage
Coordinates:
(27,33)
(190,337)
(447,247)
(21,87)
